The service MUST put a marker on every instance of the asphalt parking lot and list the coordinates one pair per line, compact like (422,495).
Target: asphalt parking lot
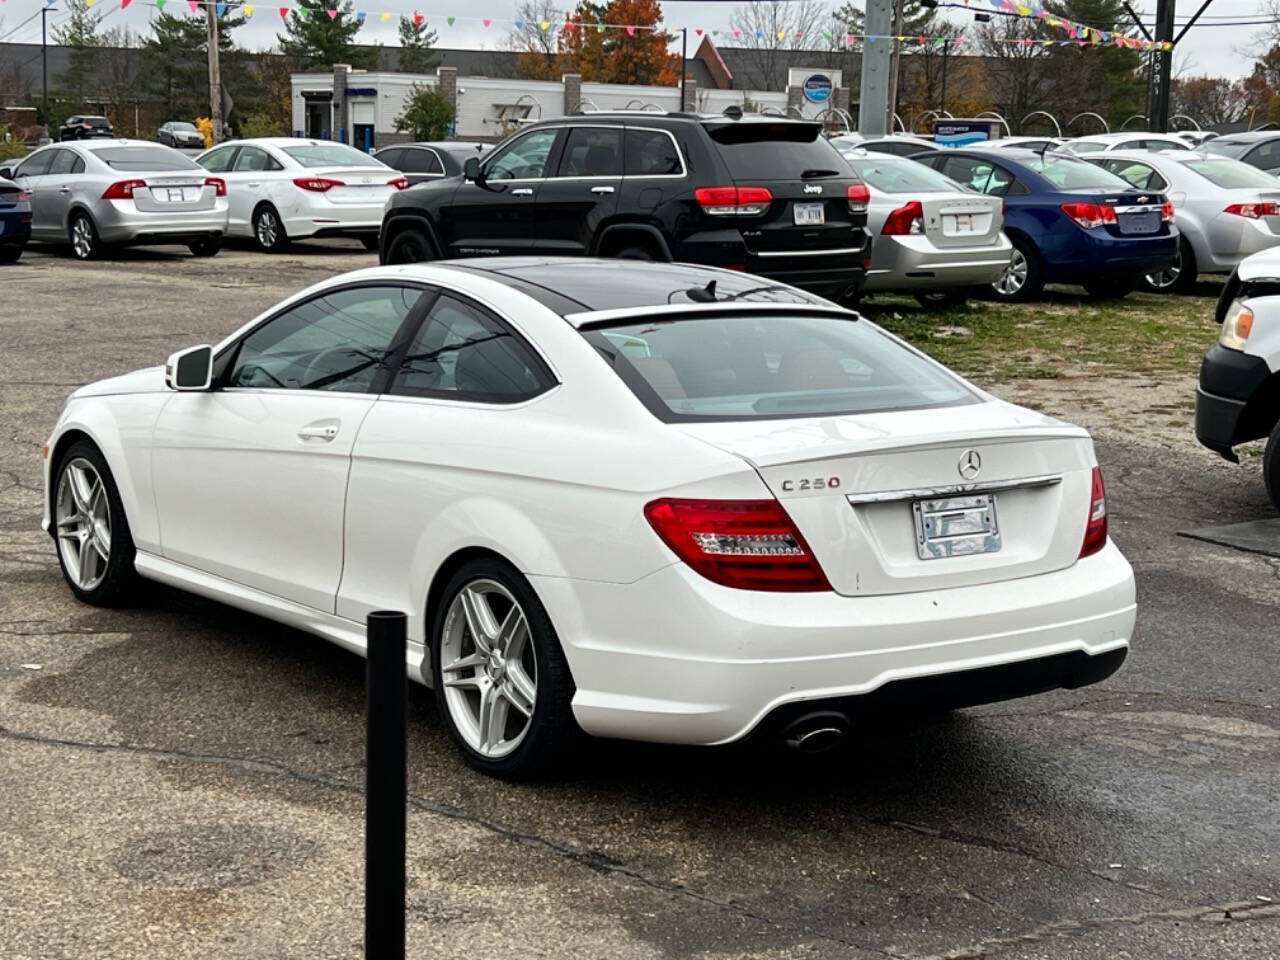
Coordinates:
(183,780)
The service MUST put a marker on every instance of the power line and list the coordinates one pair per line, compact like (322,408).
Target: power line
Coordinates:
(19,26)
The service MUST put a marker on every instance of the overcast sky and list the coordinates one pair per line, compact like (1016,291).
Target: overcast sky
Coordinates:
(1213,46)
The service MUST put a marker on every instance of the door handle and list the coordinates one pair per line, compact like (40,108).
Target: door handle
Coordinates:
(602,189)
(324,430)
(522,192)
(253,185)
(64,189)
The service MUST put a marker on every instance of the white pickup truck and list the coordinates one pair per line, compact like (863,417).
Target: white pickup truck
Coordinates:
(1238,398)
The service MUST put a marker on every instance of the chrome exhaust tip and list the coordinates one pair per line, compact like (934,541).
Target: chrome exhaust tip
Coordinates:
(816,732)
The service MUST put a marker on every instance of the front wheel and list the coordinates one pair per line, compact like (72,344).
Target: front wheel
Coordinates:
(1022,279)
(1271,466)
(268,230)
(95,547)
(408,246)
(501,681)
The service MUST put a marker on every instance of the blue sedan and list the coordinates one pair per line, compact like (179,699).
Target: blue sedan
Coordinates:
(1068,220)
(15,220)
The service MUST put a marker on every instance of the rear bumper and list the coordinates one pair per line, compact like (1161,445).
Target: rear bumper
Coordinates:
(117,223)
(1100,254)
(676,658)
(915,263)
(312,220)
(15,229)
(827,272)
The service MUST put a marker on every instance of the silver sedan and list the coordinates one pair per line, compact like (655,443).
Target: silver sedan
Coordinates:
(932,237)
(97,194)
(1225,209)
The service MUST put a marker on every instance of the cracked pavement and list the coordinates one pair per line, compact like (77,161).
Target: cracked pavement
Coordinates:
(184,780)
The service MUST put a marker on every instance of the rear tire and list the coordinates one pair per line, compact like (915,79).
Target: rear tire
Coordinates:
(409,246)
(1271,466)
(942,299)
(1109,288)
(512,743)
(10,254)
(1179,278)
(268,230)
(370,243)
(86,499)
(85,243)
(1023,279)
(634,253)
(208,247)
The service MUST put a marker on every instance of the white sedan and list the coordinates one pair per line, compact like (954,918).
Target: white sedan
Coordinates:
(284,188)
(649,501)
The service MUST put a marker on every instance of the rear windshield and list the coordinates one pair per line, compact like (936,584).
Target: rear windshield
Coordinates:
(331,155)
(1227,148)
(901,176)
(1067,173)
(96,121)
(144,159)
(776,151)
(1232,173)
(770,366)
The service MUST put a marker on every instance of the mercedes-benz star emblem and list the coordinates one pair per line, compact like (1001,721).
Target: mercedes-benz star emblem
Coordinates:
(970,464)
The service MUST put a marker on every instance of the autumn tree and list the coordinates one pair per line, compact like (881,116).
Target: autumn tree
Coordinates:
(640,56)
(416,43)
(585,48)
(537,46)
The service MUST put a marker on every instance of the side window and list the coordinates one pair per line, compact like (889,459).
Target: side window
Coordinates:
(392,157)
(651,153)
(1017,189)
(1265,156)
(1132,145)
(218,161)
(980,175)
(64,163)
(37,164)
(251,160)
(524,158)
(420,161)
(463,352)
(338,341)
(592,152)
(1135,174)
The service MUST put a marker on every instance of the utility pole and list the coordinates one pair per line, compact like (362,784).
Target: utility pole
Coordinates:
(893,69)
(873,98)
(684,54)
(215,71)
(1161,70)
(946,49)
(44,61)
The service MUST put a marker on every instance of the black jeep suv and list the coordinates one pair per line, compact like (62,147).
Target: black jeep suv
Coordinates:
(763,194)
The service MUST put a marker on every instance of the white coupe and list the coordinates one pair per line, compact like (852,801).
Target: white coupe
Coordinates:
(649,501)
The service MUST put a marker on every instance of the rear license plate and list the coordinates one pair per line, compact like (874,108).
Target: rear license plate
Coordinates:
(809,214)
(964,222)
(956,526)
(1139,222)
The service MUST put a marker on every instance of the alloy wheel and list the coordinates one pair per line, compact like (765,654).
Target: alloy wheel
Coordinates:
(83,520)
(1015,275)
(488,668)
(82,238)
(268,229)
(1168,277)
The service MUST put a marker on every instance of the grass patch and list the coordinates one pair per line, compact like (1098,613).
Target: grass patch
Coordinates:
(1065,333)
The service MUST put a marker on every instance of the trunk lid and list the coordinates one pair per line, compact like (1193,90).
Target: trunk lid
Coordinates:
(1138,214)
(361,186)
(174,193)
(1245,195)
(962,219)
(864,489)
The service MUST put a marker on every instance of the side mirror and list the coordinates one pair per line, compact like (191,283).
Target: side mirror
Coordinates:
(471,169)
(190,369)
(6,173)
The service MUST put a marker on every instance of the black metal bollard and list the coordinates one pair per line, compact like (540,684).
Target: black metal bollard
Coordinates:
(386,706)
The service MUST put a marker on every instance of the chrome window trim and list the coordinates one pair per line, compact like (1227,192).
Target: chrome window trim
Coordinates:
(953,489)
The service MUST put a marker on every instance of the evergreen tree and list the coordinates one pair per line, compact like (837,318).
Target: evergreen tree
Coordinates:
(81,35)
(416,43)
(1103,78)
(917,19)
(176,63)
(317,40)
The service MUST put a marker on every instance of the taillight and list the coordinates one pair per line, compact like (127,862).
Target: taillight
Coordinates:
(733,201)
(908,218)
(317,184)
(123,189)
(859,197)
(1166,212)
(219,185)
(749,544)
(1095,531)
(22,197)
(1261,208)
(400,183)
(1089,215)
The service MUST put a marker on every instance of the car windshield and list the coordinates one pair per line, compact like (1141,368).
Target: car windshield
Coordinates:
(1227,148)
(144,159)
(775,151)
(331,155)
(184,127)
(1232,173)
(96,121)
(1067,173)
(771,365)
(901,176)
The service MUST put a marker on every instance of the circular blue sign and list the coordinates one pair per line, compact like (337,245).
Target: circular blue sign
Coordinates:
(817,88)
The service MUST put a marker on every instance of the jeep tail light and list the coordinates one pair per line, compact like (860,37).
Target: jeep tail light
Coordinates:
(748,544)
(859,197)
(733,201)
(1090,215)
(123,189)
(1166,212)
(1095,531)
(908,218)
(317,184)
(219,185)
(1254,211)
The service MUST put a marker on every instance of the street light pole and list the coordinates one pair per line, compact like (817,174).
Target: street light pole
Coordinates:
(215,71)
(946,49)
(684,55)
(44,61)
